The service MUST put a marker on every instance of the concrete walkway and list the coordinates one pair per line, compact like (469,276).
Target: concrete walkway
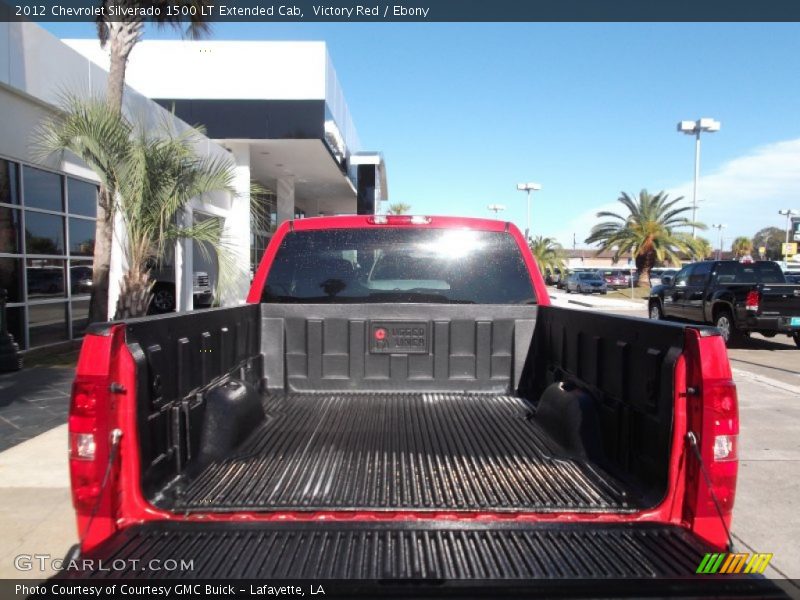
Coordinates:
(36,515)
(596,302)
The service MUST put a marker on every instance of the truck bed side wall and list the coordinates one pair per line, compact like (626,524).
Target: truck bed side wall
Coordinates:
(616,374)
(178,357)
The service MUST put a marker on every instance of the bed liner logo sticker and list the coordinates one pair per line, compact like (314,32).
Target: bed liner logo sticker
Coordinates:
(730,563)
(398,337)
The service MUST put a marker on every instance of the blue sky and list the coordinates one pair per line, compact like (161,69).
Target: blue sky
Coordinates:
(463,112)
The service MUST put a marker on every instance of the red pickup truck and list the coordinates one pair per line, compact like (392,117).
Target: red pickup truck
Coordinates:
(398,402)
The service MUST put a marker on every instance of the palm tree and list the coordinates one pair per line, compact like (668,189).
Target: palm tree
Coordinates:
(153,178)
(96,133)
(649,231)
(547,252)
(121,36)
(399,208)
(703,249)
(742,246)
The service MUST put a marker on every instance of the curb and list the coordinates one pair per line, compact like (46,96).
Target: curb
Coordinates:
(586,304)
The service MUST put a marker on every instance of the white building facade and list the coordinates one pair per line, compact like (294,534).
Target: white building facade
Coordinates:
(286,128)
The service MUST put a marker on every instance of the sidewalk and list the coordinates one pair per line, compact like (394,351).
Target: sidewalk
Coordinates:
(36,515)
(594,301)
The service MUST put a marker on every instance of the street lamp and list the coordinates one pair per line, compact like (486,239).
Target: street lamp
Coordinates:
(528,187)
(719,249)
(694,128)
(496,208)
(789,212)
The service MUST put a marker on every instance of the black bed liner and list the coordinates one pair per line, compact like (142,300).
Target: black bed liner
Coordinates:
(398,451)
(431,550)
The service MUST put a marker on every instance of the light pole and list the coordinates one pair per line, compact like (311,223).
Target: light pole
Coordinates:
(789,212)
(496,208)
(719,227)
(528,187)
(695,128)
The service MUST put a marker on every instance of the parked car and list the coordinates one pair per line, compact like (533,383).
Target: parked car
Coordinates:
(552,276)
(615,278)
(586,282)
(657,275)
(399,403)
(737,298)
(45,280)
(792,277)
(80,277)
(164,291)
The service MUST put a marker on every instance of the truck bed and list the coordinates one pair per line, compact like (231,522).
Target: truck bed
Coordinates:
(383,451)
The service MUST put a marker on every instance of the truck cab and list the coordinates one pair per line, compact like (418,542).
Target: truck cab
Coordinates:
(736,297)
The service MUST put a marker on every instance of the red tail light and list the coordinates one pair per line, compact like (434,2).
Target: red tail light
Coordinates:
(713,418)
(88,439)
(753,300)
(92,419)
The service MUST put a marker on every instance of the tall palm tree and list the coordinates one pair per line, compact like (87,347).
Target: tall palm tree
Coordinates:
(399,208)
(153,178)
(547,252)
(703,249)
(742,246)
(121,36)
(649,231)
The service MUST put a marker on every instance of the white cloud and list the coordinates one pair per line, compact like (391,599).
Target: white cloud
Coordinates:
(744,193)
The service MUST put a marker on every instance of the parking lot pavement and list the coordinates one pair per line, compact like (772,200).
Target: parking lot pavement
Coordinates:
(32,401)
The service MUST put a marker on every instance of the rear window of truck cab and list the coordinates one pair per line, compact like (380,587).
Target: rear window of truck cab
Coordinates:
(457,266)
(755,272)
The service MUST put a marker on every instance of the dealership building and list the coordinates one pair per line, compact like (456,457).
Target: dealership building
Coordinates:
(274,109)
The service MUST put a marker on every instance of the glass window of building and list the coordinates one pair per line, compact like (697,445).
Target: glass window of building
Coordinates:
(10,230)
(45,278)
(81,237)
(11,278)
(82,197)
(47,323)
(44,233)
(42,189)
(46,264)
(80,317)
(9,182)
(80,277)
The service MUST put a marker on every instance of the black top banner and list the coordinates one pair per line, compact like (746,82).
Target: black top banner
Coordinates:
(403,10)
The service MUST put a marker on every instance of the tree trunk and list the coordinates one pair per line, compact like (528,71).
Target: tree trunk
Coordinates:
(122,38)
(135,295)
(644,263)
(98,304)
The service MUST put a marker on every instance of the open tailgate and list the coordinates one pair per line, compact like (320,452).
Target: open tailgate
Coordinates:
(442,556)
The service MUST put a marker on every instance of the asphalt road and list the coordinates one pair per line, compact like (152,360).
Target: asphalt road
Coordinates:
(767,375)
